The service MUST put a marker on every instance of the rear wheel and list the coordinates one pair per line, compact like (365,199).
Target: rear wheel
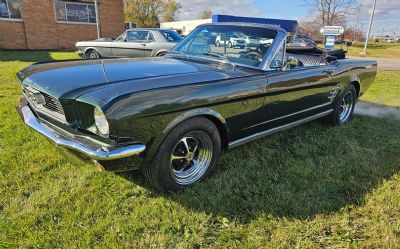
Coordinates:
(187,155)
(344,107)
(92,55)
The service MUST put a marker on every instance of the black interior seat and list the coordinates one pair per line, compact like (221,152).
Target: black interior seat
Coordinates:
(307,60)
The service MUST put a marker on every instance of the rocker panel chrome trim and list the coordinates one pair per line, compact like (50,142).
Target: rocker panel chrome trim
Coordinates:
(289,115)
(276,129)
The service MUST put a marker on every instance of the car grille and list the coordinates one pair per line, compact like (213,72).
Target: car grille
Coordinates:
(52,104)
(44,103)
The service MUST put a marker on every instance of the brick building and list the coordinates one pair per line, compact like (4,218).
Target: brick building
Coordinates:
(57,24)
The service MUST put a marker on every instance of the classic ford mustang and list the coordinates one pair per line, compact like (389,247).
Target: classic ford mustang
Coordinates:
(138,42)
(172,116)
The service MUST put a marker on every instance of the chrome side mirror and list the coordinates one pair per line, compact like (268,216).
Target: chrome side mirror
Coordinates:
(291,62)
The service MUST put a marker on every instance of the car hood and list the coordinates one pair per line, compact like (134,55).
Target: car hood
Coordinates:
(70,79)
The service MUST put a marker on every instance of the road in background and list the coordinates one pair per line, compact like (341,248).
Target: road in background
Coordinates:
(383,63)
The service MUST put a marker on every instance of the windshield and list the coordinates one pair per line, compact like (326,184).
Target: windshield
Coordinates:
(228,42)
(171,36)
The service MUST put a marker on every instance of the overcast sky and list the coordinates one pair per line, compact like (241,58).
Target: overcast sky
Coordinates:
(387,14)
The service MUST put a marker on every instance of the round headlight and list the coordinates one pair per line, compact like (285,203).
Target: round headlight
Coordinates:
(101,122)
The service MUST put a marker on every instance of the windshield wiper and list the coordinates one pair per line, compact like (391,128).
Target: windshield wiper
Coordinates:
(223,57)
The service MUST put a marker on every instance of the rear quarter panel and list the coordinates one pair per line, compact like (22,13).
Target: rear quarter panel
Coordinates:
(361,71)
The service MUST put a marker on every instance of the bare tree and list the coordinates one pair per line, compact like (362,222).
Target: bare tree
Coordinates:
(333,12)
(310,28)
(205,14)
(354,34)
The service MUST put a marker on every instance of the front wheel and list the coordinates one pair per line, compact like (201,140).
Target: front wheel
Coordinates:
(187,155)
(344,108)
(92,55)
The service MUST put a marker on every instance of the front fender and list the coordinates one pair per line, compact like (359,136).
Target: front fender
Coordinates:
(195,113)
(216,117)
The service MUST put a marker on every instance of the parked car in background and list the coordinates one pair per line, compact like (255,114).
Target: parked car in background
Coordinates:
(136,42)
(266,41)
(231,40)
(172,116)
(302,43)
(347,43)
(249,40)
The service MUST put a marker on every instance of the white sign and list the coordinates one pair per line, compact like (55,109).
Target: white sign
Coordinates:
(330,42)
(332,30)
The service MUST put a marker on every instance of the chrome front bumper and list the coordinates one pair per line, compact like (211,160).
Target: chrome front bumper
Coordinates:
(93,152)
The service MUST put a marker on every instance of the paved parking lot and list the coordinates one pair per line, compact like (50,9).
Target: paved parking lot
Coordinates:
(383,63)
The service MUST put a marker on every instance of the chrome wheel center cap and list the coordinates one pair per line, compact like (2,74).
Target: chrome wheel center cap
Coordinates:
(190,157)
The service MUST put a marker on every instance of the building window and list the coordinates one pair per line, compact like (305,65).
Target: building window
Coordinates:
(10,9)
(73,12)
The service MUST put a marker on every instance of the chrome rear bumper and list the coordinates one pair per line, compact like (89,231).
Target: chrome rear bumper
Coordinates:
(93,152)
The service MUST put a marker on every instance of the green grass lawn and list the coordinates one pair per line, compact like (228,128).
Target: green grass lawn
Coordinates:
(385,90)
(311,186)
(378,50)
(381,50)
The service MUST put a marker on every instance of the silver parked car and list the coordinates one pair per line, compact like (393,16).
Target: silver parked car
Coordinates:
(132,43)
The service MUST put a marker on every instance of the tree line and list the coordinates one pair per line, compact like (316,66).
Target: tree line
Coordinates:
(331,13)
(149,13)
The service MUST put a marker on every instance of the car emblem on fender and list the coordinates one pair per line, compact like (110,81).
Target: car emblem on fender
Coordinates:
(334,92)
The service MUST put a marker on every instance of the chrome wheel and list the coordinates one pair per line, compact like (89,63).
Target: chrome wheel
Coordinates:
(191,157)
(93,55)
(346,107)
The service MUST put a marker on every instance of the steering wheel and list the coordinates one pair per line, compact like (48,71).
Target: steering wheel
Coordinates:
(253,55)
(257,53)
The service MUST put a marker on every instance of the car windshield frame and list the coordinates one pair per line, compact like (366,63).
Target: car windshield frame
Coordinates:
(266,32)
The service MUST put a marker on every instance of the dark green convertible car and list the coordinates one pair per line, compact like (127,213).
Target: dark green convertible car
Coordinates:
(173,116)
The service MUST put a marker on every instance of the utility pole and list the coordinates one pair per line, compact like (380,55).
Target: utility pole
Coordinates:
(369,27)
(96,7)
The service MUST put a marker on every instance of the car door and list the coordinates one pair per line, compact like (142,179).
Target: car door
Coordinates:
(132,44)
(297,93)
(151,45)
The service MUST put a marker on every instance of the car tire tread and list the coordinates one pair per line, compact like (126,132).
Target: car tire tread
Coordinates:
(157,171)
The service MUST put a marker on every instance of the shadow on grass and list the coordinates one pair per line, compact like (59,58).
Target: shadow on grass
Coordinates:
(308,170)
(34,56)
(370,109)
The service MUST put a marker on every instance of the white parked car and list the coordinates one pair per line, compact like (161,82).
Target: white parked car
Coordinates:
(266,41)
(251,41)
(231,41)
(138,42)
